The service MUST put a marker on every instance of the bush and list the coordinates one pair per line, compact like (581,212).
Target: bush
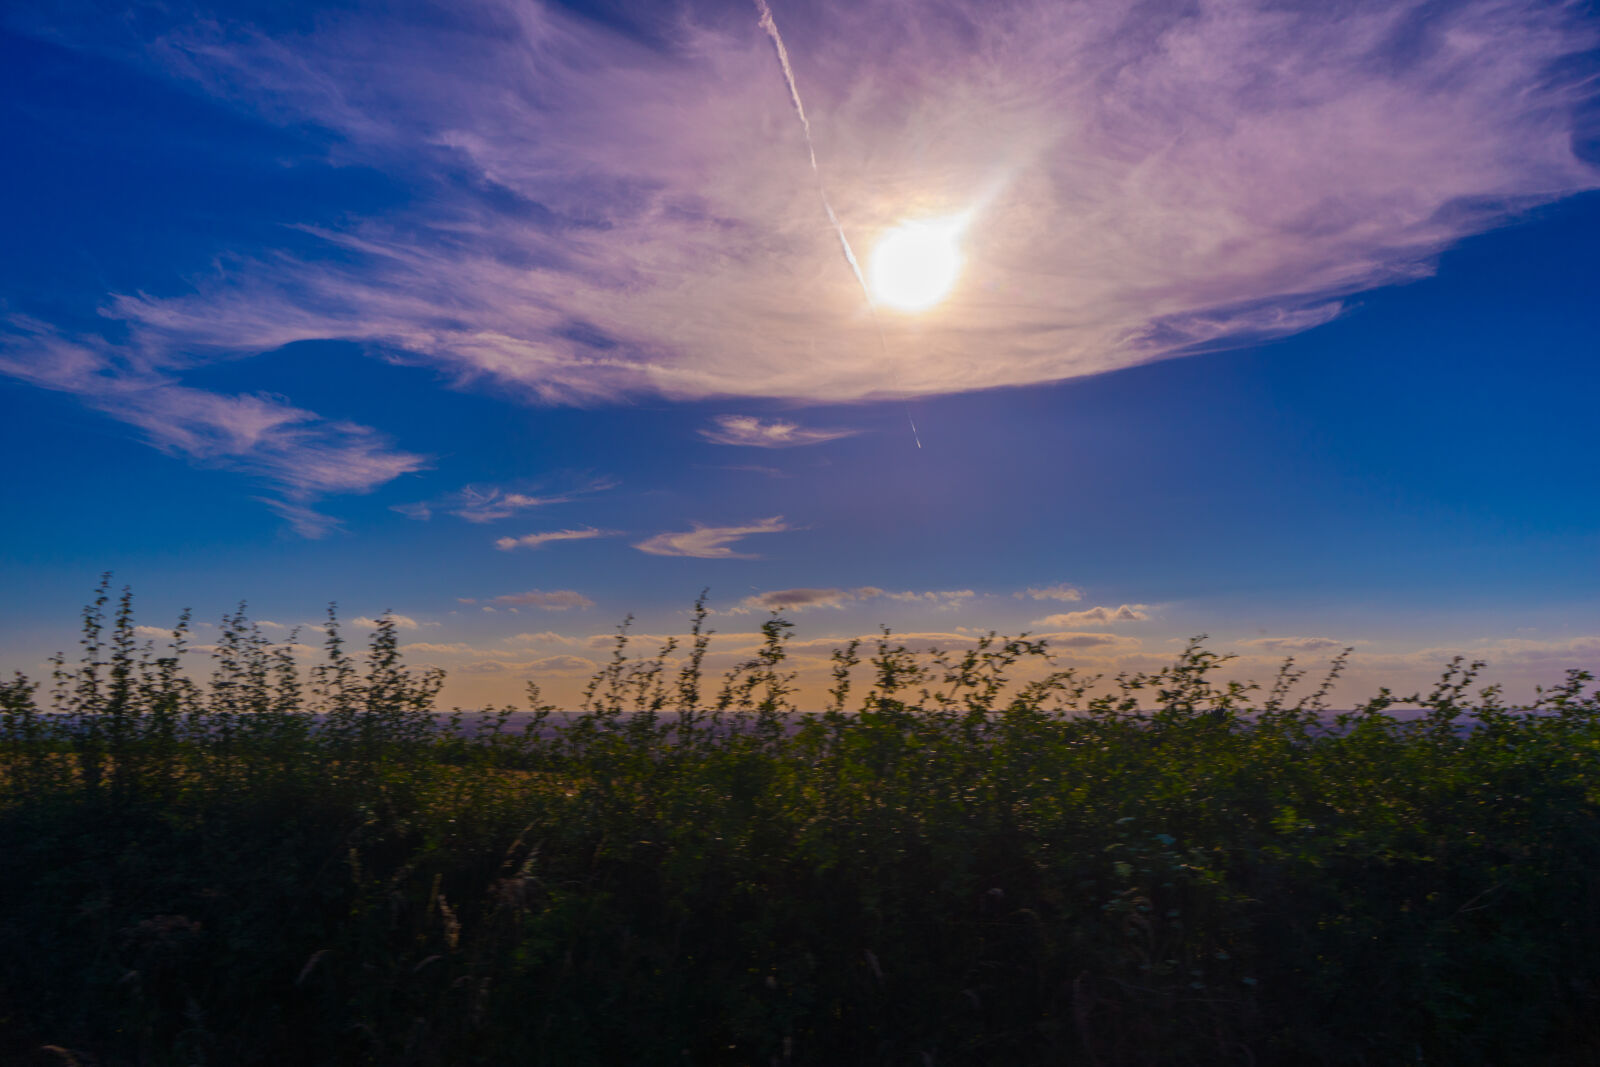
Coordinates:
(948,868)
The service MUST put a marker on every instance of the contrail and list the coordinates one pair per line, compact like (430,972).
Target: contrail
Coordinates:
(771,28)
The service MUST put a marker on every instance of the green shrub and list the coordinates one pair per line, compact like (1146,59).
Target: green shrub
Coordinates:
(943,866)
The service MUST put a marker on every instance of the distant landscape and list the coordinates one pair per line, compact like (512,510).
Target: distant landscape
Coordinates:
(268,866)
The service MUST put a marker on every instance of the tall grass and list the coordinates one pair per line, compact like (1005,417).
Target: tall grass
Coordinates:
(941,866)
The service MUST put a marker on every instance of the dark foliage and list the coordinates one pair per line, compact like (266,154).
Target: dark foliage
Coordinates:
(948,869)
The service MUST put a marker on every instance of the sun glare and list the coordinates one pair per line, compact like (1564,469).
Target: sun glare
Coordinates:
(916,264)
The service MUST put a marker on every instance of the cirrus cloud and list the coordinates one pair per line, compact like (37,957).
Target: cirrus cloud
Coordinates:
(759,433)
(534,540)
(1059,591)
(1136,182)
(709,542)
(1295,644)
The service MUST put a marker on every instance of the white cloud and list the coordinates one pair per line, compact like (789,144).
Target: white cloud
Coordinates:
(488,503)
(801,599)
(943,599)
(544,637)
(550,664)
(709,542)
(1295,644)
(563,663)
(1060,591)
(534,540)
(401,622)
(152,631)
(758,433)
(1137,188)
(455,649)
(1097,616)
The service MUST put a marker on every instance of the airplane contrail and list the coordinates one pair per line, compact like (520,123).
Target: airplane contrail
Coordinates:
(771,27)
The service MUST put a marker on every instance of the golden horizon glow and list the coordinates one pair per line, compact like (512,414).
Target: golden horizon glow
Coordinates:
(915,265)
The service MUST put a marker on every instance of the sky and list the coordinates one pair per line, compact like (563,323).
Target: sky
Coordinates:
(1271,322)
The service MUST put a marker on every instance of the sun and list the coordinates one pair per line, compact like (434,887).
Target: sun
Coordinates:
(915,264)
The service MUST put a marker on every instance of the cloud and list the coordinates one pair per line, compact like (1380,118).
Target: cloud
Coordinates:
(801,599)
(301,455)
(487,503)
(1097,616)
(1060,591)
(550,664)
(152,631)
(534,540)
(563,663)
(456,649)
(308,522)
(543,637)
(592,217)
(401,622)
(1295,644)
(709,542)
(1080,641)
(752,431)
(555,600)
(638,640)
(944,599)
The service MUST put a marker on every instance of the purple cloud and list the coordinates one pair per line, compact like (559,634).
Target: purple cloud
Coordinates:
(1137,183)
(766,433)
(709,542)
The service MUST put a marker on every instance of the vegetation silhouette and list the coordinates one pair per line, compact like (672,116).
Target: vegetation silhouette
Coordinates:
(942,866)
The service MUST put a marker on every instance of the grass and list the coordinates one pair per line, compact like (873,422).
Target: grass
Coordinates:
(941,867)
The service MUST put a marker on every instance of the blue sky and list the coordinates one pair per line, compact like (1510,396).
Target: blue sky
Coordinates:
(1273,326)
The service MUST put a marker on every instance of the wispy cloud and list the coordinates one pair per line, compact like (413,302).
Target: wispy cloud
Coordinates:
(944,599)
(1088,641)
(1295,644)
(302,456)
(563,664)
(709,542)
(437,649)
(543,637)
(1140,182)
(488,503)
(401,622)
(553,600)
(534,540)
(801,599)
(1060,591)
(1097,616)
(759,433)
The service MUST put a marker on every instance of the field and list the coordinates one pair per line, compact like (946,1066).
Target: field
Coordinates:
(941,867)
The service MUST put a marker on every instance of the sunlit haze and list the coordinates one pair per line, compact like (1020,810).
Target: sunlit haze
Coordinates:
(1113,324)
(915,264)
